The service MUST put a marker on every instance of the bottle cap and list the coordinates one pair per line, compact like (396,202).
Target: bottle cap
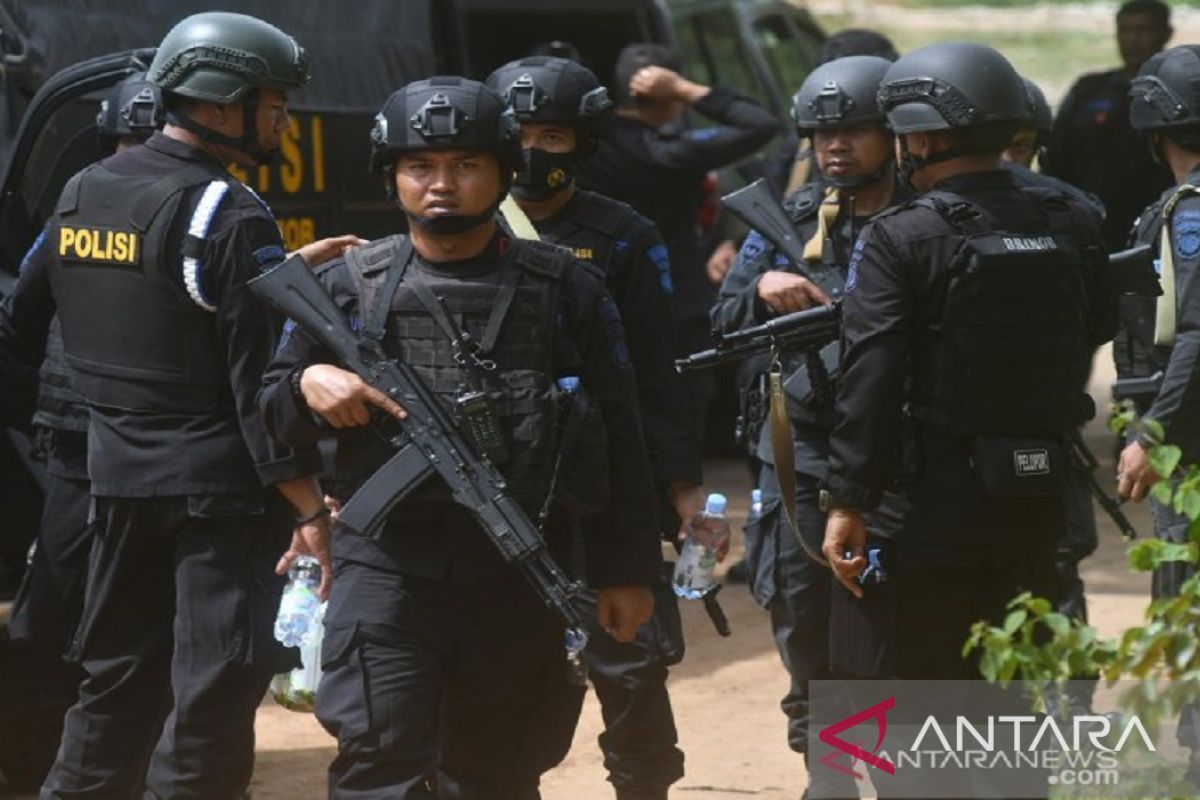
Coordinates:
(715,504)
(569,383)
(756,496)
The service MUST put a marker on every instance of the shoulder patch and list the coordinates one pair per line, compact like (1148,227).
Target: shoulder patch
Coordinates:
(852,271)
(753,246)
(269,256)
(1185,226)
(661,259)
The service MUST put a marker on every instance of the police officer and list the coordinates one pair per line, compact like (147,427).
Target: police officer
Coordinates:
(1163,334)
(836,108)
(564,111)
(1029,143)
(1092,145)
(175,634)
(436,653)
(47,606)
(970,319)
(658,166)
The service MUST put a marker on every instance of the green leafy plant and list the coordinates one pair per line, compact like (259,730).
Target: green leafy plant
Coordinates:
(1038,645)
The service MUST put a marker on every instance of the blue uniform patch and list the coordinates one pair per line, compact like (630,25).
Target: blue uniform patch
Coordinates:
(269,256)
(620,245)
(752,247)
(702,134)
(1186,228)
(33,248)
(616,332)
(661,259)
(852,270)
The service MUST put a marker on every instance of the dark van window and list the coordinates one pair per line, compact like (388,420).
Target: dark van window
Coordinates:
(717,37)
(789,57)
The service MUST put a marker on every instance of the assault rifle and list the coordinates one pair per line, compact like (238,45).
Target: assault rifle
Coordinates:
(1085,460)
(430,442)
(800,330)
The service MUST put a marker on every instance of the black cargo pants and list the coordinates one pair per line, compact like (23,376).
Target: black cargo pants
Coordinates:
(438,689)
(176,640)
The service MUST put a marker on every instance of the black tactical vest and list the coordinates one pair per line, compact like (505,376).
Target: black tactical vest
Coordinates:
(134,339)
(1134,352)
(520,387)
(602,222)
(59,406)
(1011,352)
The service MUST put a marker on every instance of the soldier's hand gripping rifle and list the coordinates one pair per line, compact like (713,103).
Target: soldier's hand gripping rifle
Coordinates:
(431,442)
(811,328)
(1086,462)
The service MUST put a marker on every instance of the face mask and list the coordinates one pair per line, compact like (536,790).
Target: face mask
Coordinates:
(544,174)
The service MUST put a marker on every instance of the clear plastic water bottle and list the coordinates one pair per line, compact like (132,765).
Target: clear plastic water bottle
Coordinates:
(756,503)
(297,618)
(707,534)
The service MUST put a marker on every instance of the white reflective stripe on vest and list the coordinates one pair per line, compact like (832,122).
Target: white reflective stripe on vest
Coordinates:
(202,218)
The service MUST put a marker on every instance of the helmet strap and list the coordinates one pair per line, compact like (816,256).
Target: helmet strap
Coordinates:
(247,143)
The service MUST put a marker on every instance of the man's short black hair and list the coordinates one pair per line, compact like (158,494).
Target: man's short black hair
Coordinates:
(856,42)
(636,56)
(1160,11)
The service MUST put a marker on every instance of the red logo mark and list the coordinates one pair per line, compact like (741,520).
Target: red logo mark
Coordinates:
(830,736)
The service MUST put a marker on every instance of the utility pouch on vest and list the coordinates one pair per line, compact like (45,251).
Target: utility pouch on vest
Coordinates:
(581,479)
(1016,467)
(477,414)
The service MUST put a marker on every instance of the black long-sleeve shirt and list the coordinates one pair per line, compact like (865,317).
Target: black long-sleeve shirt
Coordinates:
(227,450)
(660,172)
(1093,146)
(591,344)
(637,271)
(896,291)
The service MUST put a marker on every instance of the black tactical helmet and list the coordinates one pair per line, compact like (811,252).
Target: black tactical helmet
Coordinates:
(134,107)
(1166,92)
(952,85)
(545,89)
(839,94)
(1039,110)
(445,113)
(219,56)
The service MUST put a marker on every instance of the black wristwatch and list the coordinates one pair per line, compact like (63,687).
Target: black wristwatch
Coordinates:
(294,382)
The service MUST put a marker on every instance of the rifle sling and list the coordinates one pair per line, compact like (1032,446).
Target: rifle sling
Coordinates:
(784,452)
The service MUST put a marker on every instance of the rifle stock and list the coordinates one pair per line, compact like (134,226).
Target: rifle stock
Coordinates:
(756,206)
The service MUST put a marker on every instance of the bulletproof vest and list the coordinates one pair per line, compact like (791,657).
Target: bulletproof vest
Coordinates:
(134,338)
(517,341)
(1134,352)
(608,222)
(59,406)
(1011,353)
